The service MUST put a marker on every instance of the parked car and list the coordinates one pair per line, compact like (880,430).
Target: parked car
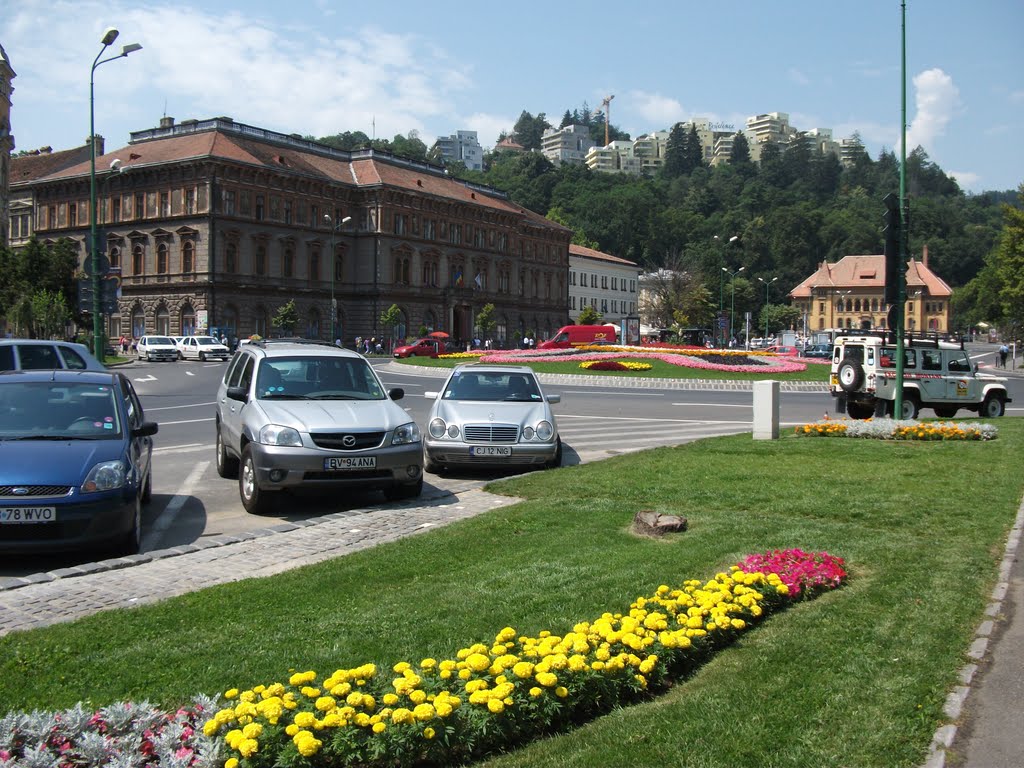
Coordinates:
(783,351)
(202,348)
(421,348)
(580,335)
(156,348)
(44,354)
(75,461)
(491,416)
(306,414)
(818,350)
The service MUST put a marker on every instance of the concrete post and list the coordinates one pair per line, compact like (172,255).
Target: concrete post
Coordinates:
(766,410)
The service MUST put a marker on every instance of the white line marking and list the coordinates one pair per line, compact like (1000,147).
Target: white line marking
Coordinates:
(151,377)
(183,447)
(167,517)
(171,407)
(186,421)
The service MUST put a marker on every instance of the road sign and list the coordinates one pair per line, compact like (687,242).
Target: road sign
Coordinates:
(109,290)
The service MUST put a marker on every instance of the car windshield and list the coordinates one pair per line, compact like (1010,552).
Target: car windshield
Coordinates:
(48,410)
(317,378)
(206,341)
(159,340)
(497,385)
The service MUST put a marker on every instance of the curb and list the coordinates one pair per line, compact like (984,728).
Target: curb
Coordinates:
(946,734)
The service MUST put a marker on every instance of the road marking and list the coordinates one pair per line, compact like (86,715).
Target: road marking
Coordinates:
(186,421)
(718,405)
(171,407)
(167,517)
(186,448)
(189,373)
(550,388)
(151,377)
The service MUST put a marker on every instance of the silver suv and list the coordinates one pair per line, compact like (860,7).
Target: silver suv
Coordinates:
(936,374)
(307,414)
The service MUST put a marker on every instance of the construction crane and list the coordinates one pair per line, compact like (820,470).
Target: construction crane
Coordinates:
(606,105)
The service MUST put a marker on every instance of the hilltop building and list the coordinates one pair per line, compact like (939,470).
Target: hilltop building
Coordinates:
(215,225)
(566,145)
(463,147)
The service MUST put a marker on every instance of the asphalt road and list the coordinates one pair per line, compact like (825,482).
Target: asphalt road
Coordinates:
(191,502)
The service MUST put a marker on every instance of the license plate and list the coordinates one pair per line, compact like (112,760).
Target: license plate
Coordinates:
(350,462)
(834,380)
(14,515)
(490,450)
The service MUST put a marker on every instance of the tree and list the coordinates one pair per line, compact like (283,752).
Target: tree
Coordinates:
(589,316)
(38,269)
(693,151)
(390,318)
(529,129)
(675,153)
(1008,262)
(286,318)
(485,320)
(740,152)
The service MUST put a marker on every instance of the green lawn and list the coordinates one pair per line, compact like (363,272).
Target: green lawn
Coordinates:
(659,370)
(856,677)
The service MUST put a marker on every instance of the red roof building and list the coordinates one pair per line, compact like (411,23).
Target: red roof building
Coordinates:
(850,294)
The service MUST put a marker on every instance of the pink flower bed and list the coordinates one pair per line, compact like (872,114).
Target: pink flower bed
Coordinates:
(673,356)
(805,573)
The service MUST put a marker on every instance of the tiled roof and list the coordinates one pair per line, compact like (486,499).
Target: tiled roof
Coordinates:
(590,253)
(362,170)
(852,272)
(35,167)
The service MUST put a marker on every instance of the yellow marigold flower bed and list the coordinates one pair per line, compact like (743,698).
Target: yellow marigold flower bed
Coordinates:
(890,429)
(491,696)
(461,355)
(615,365)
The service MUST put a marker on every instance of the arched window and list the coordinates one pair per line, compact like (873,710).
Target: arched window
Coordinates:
(163,321)
(138,322)
(874,305)
(161,262)
(115,256)
(188,264)
(188,320)
(138,262)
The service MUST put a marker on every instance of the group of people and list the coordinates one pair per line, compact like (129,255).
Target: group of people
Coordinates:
(366,346)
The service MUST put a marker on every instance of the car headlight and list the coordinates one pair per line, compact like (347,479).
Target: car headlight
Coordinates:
(544,430)
(105,476)
(407,433)
(437,428)
(275,434)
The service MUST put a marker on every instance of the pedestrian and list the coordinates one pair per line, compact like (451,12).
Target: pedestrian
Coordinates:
(124,344)
(1003,352)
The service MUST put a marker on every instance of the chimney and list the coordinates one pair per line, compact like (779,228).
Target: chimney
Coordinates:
(924,255)
(99,143)
(166,122)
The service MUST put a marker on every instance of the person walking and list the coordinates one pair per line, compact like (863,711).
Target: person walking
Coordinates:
(1003,352)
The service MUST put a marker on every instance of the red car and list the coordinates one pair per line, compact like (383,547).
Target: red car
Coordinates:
(421,347)
(783,351)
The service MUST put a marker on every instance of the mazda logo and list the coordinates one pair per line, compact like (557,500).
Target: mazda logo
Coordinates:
(349,441)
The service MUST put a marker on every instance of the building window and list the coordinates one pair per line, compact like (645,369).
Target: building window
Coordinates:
(188,320)
(287,211)
(288,262)
(72,215)
(115,209)
(401,276)
(115,257)
(163,321)
(190,201)
(259,207)
(231,259)
(140,205)
(161,260)
(314,265)
(188,257)
(165,204)
(261,259)
(429,273)
(138,261)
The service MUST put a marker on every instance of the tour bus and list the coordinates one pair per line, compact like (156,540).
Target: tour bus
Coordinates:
(580,335)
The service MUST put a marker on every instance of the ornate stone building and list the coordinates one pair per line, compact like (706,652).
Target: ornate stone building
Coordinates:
(6,143)
(850,294)
(215,225)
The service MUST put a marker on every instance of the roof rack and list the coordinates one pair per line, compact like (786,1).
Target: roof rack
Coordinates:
(292,340)
(920,339)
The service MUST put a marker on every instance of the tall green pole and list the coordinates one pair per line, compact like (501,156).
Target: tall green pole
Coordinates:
(901,293)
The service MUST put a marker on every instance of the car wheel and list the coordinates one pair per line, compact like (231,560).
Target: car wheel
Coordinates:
(993,407)
(227,466)
(253,498)
(147,489)
(403,491)
(859,410)
(149,358)
(431,466)
(556,460)
(911,407)
(202,357)
(851,375)
(945,413)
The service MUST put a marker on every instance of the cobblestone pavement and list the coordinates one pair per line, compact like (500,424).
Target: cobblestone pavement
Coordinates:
(71,593)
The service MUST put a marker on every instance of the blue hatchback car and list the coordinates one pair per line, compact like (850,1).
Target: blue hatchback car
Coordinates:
(75,461)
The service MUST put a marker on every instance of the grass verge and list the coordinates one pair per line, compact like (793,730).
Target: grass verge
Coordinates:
(855,677)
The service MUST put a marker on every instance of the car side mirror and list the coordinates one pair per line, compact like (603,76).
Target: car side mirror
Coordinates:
(554,398)
(431,395)
(396,394)
(238,393)
(146,429)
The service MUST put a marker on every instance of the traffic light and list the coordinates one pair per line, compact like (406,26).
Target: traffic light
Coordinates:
(892,248)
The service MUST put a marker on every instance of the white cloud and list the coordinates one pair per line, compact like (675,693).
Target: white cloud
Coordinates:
(657,111)
(937,100)
(966,179)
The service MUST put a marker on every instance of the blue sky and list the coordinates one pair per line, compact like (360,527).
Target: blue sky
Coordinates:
(320,67)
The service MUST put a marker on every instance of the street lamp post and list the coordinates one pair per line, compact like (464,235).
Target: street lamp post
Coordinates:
(721,283)
(732,310)
(334,302)
(94,253)
(767,284)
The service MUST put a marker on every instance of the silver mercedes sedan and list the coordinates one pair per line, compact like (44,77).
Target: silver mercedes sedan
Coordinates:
(493,416)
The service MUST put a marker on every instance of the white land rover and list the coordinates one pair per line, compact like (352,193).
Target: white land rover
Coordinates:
(936,374)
